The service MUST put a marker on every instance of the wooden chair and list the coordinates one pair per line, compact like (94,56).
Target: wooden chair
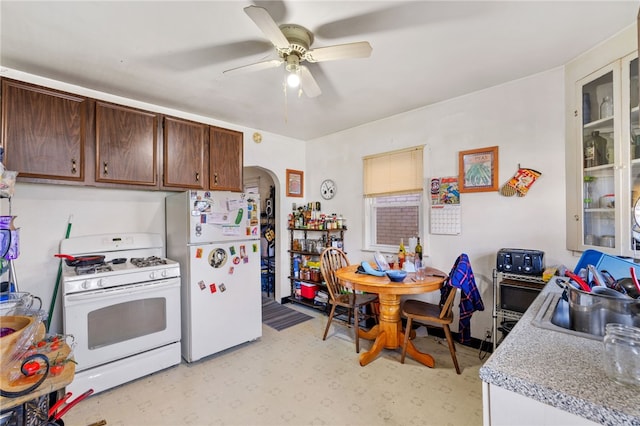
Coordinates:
(331,260)
(441,314)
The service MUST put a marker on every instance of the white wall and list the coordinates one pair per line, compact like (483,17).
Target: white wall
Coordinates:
(525,118)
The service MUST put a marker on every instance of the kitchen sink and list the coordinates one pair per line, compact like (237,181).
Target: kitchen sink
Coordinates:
(554,315)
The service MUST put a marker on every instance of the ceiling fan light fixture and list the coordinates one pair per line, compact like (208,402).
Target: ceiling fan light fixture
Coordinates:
(293,70)
(293,79)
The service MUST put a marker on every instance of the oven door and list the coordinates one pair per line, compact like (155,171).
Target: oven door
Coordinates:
(114,323)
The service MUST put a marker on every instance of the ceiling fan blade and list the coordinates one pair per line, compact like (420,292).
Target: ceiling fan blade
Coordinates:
(267,25)
(361,49)
(308,83)
(254,67)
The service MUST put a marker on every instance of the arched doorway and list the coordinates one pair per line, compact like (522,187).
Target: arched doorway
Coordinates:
(264,182)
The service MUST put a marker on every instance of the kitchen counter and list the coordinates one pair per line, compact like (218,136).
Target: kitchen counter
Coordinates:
(560,370)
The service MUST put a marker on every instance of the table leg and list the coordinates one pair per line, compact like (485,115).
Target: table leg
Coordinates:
(414,353)
(371,354)
(388,333)
(369,335)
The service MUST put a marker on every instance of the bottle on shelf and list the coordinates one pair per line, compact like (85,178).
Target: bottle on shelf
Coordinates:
(606,108)
(595,150)
(586,108)
(418,250)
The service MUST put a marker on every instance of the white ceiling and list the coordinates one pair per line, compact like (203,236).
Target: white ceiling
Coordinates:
(173,53)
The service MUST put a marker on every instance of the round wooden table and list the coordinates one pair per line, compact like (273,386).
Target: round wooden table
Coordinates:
(388,332)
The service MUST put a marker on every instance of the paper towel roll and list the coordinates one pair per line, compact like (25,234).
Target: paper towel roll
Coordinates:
(412,244)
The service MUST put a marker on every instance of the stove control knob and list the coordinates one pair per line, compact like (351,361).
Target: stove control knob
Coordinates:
(164,273)
(152,275)
(101,282)
(86,284)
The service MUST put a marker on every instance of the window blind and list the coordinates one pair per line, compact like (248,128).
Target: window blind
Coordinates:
(393,172)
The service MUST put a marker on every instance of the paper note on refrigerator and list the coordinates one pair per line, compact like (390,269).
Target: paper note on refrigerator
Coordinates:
(231,230)
(218,218)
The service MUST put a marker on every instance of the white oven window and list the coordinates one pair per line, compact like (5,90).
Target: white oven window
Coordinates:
(127,320)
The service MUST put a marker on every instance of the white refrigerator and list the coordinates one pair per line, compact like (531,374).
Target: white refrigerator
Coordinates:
(215,235)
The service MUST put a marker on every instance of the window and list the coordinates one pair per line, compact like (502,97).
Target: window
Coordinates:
(393,198)
(394,217)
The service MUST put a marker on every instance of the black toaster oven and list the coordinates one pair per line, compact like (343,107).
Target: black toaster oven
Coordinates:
(520,261)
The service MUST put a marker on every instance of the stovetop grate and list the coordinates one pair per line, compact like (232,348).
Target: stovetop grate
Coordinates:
(142,262)
(93,269)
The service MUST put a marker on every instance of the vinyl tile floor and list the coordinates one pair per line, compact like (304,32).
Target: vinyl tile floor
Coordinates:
(293,377)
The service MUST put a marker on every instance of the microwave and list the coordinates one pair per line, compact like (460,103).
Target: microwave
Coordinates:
(516,296)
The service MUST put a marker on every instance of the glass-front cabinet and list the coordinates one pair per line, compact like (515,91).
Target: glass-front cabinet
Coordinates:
(609,136)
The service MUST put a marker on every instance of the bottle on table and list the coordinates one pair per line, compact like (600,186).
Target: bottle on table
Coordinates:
(402,252)
(418,250)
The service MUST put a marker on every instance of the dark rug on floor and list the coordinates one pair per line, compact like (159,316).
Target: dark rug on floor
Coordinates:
(280,317)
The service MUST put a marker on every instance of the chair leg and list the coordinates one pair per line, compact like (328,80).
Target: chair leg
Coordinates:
(356,327)
(452,347)
(326,330)
(407,332)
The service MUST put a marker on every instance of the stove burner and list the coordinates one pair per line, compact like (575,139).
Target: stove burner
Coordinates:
(142,262)
(93,269)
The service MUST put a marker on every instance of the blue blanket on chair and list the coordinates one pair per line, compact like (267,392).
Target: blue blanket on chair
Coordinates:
(461,276)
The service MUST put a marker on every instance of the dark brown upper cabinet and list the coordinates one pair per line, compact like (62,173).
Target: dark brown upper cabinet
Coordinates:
(185,154)
(225,160)
(126,145)
(43,132)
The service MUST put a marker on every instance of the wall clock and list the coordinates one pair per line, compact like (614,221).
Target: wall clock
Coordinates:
(328,189)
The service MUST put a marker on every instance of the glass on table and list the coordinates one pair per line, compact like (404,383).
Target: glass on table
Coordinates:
(391,260)
(421,272)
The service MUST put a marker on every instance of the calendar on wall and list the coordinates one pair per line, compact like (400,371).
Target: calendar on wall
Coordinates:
(445,206)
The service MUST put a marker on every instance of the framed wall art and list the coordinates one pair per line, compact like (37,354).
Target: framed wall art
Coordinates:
(478,170)
(295,183)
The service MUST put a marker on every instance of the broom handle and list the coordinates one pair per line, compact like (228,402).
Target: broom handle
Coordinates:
(57,286)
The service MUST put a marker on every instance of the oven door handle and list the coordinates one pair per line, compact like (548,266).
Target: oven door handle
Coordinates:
(125,289)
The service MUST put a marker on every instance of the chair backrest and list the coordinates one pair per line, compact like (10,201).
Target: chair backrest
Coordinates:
(331,260)
(447,306)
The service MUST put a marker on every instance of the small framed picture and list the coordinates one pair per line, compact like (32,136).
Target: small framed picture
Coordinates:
(295,183)
(478,170)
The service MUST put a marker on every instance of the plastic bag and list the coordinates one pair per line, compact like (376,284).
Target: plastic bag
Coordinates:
(7,183)
(23,367)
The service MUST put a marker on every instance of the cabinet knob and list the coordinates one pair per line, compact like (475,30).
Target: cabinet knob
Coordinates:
(576,217)
(105,168)
(575,112)
(215,178)
(74,168)
(197,177)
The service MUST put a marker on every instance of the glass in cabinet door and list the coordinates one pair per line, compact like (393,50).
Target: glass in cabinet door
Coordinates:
(599,186)
(634,144)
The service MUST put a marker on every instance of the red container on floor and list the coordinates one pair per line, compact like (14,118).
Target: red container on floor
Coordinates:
(308,291)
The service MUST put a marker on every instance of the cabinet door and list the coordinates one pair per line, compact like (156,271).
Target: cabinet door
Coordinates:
(184,154)
(600,158)
(225,160)
(43,131)
(630,205)
(126,145)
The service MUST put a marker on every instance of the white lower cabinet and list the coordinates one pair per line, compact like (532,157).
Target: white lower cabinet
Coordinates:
(504,407)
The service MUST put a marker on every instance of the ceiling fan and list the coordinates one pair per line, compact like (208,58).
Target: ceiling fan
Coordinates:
(293,46)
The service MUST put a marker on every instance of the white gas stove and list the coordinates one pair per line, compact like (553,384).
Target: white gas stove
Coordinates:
(123,310)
